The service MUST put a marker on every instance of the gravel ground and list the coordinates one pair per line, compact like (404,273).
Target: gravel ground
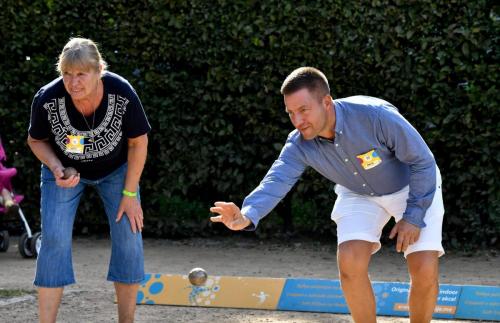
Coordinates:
(92,298)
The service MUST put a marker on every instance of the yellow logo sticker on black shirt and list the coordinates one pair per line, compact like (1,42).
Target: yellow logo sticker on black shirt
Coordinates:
(74,144)
(369,160)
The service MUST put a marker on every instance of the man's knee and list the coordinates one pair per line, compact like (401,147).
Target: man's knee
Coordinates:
(423,268)
(354,258)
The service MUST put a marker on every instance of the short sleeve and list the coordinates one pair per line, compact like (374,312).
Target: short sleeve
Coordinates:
(135,122)
(39,127)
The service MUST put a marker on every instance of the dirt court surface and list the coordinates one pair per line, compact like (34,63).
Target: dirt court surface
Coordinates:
(91,299)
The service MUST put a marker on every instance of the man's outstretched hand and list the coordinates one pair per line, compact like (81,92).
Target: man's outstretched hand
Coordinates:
(230,215)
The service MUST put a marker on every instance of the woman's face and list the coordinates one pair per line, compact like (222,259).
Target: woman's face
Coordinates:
(81,84)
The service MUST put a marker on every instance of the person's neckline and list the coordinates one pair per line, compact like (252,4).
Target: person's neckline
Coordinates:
(90,112)
(333,126)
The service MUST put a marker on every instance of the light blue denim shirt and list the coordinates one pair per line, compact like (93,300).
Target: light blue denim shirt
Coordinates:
(375,152)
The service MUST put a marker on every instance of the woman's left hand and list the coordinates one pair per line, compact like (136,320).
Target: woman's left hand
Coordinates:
(132,208)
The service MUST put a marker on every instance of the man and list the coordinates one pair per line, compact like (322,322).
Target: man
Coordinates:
(382,169)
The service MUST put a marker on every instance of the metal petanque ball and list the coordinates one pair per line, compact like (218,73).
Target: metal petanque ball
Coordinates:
(68,172)
(197,276)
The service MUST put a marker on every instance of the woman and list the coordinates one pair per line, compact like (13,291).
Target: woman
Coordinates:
(92,120)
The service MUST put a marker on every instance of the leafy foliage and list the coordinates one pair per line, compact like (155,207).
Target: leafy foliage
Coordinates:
(209,72)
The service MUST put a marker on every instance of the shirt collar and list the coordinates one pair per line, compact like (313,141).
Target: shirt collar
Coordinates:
(339,117)
(339,122)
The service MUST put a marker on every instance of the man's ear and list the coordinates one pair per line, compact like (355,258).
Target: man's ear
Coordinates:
(327,100)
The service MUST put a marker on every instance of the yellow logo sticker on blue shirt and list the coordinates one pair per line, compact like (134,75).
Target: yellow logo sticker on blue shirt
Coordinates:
(369,160)
(74,144)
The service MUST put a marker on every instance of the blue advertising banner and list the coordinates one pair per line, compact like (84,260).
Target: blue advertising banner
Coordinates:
(312,295)
(392,299)
(479,302)
(318,295)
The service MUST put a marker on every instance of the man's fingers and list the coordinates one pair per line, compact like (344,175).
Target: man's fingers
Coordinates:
(224,205)
(219,203)
(227,206)
(399,244)
(416,237)
(393,232)
(405,244)
(216,209)
(217,218)
(411,240)
(228,213)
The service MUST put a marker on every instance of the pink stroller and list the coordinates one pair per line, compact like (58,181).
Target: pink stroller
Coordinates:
(29,244)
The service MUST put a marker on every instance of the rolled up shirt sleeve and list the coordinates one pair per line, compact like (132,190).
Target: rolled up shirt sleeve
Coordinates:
(280,178)
(410,148)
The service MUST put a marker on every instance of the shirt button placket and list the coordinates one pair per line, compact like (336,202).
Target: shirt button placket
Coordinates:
(346,160)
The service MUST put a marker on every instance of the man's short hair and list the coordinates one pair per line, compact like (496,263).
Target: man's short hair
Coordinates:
(306,77)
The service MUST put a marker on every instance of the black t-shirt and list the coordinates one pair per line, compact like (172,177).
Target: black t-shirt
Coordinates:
(96,153)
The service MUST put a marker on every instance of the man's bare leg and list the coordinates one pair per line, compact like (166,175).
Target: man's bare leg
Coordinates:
(353,258)
(423,267)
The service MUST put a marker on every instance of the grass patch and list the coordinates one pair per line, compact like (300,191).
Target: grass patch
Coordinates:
(7,293)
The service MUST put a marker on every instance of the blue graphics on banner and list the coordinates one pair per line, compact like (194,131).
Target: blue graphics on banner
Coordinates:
(392,299)
(312,295)
(318,295)
(479,302)
(447,302)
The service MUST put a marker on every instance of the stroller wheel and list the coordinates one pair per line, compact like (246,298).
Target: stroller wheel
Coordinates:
(36,243)
(4,240)
(25,246)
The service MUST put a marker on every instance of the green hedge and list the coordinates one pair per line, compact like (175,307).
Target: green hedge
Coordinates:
(209,72)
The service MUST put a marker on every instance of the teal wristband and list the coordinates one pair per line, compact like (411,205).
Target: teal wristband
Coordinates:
(129,194)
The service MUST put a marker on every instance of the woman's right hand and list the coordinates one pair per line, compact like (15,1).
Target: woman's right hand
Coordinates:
(44,152)
(71,181)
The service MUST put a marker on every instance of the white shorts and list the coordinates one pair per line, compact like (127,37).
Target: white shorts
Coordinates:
(361,217)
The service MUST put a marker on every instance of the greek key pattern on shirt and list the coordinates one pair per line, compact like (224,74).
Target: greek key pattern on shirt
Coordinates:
(107,134)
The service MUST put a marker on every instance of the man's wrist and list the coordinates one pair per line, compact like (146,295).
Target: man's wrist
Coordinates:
(246,219)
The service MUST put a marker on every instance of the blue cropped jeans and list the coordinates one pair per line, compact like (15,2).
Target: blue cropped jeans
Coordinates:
(54,267)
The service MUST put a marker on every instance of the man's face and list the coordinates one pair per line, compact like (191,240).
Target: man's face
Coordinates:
(308,113)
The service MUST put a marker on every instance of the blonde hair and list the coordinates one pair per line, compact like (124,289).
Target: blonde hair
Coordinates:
(80,53)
